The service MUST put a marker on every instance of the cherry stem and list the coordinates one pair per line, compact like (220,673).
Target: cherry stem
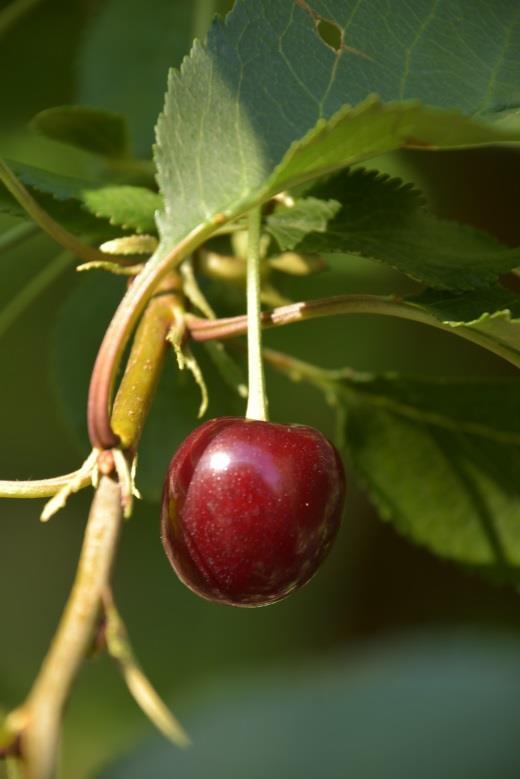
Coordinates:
(204,330)
(256,404)
(38,720)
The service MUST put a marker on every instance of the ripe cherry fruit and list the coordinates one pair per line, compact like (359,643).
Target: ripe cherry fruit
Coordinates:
(250,509)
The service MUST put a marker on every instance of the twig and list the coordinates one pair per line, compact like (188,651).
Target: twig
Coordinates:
(38,720)
(205,330)
(42,488)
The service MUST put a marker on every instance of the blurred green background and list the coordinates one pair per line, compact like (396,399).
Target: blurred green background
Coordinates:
(387,643)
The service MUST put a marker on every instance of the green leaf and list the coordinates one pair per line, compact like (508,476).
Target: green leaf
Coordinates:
(132,208)
(441,461)
(466,307)
(384,219)
(372,128)
(290,226)
(428,706)
(68,213)
(249,116)
(91,129)
(48,182)
(82,205)
(494,313)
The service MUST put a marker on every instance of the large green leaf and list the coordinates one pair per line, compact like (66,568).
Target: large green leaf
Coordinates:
(441,460)
(493,313)
(381,218)
(248,115)
(421,707)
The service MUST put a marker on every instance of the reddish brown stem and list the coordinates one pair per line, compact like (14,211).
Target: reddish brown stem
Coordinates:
(206,330)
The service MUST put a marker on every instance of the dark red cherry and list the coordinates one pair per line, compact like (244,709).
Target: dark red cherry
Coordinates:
(250,509)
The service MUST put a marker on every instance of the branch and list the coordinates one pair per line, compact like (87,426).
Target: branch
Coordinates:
(38,720)
(206,330)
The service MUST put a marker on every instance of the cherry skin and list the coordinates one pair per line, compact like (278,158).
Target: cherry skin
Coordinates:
(250,509)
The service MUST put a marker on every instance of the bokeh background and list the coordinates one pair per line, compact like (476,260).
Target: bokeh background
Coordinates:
(390,662)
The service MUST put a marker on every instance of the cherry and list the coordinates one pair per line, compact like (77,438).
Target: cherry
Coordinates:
(250,509)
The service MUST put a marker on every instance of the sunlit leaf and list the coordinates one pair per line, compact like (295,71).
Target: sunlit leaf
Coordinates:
(249,116)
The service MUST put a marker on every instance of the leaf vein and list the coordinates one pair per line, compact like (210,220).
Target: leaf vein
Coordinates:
(409,50)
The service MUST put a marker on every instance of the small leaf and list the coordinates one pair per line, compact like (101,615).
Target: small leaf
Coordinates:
(289,226)
(91,129)
(110,267)
(130,244)
(128,207)
(441,461)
